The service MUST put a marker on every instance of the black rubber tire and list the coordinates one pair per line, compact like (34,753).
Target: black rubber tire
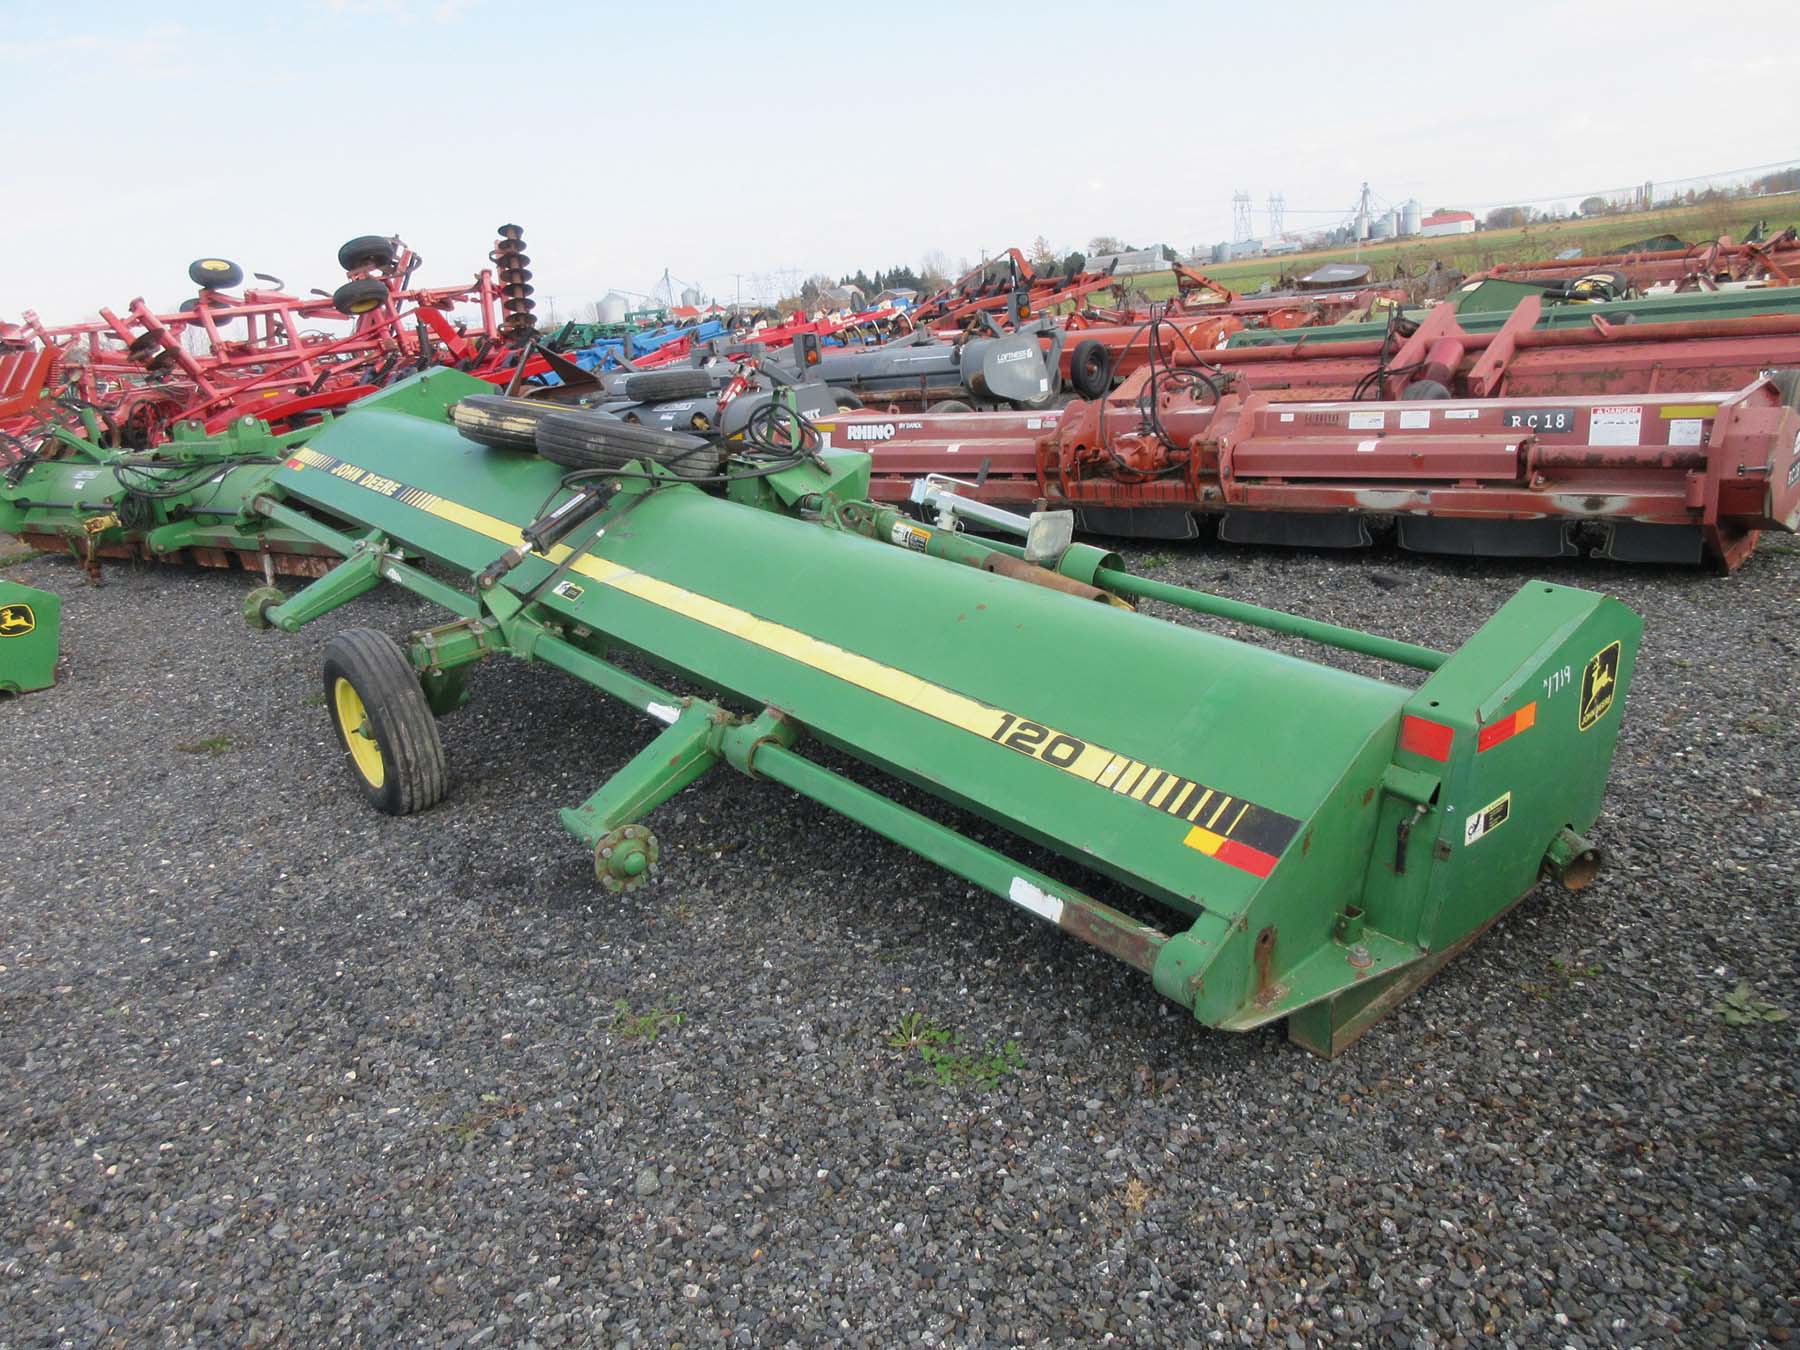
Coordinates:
(367,250)
(359,297)
(215,274)
(1090,369)
(415,774)
(586,440)
(844,399)
(659,386)
(502,423)
(950,405)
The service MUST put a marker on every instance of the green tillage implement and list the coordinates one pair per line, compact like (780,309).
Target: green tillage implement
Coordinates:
(189,497)
(1327,840)
(1485,307)
(29,627)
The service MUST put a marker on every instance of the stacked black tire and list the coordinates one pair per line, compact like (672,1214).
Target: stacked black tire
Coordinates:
(578,439)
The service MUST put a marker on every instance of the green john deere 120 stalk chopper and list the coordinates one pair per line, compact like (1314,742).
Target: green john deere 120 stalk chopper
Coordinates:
(1326,841)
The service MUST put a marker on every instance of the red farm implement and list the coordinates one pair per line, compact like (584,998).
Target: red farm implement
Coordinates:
(1440,359)
(1104,344)
(1651,478)
(283,358)
(1704,266)
(998,285)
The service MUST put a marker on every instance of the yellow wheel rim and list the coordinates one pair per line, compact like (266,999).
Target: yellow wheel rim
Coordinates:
(214,265)
(359,735)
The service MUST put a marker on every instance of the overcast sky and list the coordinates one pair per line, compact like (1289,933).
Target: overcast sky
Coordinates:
(716,139)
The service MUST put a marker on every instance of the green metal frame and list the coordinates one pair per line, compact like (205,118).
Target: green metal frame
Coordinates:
(87,497)
(1418,815)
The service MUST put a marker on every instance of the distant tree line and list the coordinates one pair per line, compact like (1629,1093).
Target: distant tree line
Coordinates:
(1783,180)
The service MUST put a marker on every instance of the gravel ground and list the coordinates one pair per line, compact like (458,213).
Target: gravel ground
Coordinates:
(279,1069)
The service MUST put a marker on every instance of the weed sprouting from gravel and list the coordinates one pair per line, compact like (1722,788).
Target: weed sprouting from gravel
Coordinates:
(949,1066)
(1741,1007)
(644,1026)
(212,745)
(492,1111)
(1564,973)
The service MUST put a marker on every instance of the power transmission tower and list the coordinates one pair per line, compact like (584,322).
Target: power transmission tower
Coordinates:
(1277,206)
(1240,216)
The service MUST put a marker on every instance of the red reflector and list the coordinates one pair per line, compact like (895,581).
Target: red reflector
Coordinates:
(1430,739)
(1507,727)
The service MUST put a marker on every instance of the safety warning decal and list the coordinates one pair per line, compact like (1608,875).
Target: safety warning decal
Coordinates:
(1598,681)
(1616,426)
(568,590)
(907,535)
(1485,821)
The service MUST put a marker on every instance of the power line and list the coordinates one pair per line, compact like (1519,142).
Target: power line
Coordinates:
(1577,196)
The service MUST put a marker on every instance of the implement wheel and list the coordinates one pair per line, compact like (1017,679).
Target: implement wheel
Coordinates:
(502,423)
(655,386)
(1090,368)
(586,440)
(384,723)
(216,274)
(359,297)
(367,250)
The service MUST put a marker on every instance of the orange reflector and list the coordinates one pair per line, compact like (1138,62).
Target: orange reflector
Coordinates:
(1507,727)
(1430,739)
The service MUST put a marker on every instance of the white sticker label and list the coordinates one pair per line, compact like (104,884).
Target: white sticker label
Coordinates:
(663,712)
(1421,418)
(1287,417)
(1615,426)
(1490,818)
(1033,423)
(568,590)
(1461,414)
(1685,431)
(910,536)
(1034,898)
(1367,421)
(1364,447)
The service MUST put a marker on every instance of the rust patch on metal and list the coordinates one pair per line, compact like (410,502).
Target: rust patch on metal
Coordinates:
(1264,954)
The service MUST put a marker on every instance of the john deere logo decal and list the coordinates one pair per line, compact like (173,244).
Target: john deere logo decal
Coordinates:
(1597,684)
(16,620)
